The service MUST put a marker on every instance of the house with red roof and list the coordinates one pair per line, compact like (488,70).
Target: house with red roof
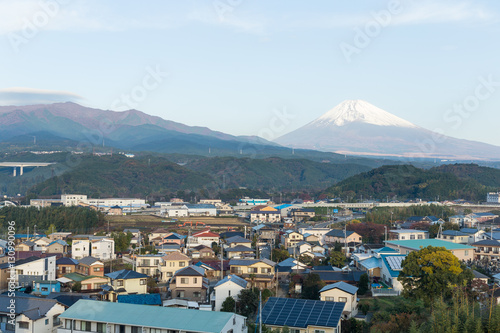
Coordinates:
(205,237)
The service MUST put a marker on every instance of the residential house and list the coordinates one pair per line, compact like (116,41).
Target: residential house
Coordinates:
(41,243)
(239,247)
(475,235)
(267,233)
(487,249)
(341,236)
(190,283)
(463,220)
(65,265)
(318,232)
(59,235)
(454,236)
(31,269)
(115,210)
(201,252)
(265,214)
(88,283)
(259,272)
(308,315)
(483,217)
(213,269)
(45,287)
(461,251)
(31,314)
(403,234)
(391,267)
(205,237)
(173,238)
(123,317)
(134,232)
(229,286)
(148,264)
(291,238)
(90,266)
(124,282)
(332,276)
(175,211)
(100,247)
(160,233)
(25,246)
(171,263)
(57,246)
(302,214)
(341,292)
(287,266)
(239,251)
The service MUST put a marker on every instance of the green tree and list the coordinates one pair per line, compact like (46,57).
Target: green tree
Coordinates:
(248,302)
(337,259)
(280,254)
(363,284)
(432,271)
(311,286)
(228,305)
(77,286)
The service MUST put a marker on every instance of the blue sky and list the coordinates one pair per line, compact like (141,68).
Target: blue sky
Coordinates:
(234,65)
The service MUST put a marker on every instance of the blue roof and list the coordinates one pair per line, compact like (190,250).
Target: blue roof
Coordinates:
(125,274)
(385,249)
(393,266)
(370,263)
(148,316)
(301,313)
(289,262)
(63,243)
(233,278)
(469,230)
(454,233)
(338,233)
(146,299)
(348,288)
(200,206)
(282,206)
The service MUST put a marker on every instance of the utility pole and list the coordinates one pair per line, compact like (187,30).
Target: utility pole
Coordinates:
(221,260)
(28,234)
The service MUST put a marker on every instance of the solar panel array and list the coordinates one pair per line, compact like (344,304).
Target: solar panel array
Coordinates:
(395,262)
(301,313)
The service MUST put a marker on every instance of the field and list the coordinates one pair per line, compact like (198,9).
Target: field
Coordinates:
(118,222)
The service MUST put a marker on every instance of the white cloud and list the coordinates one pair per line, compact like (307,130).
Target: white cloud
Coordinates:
(25,96)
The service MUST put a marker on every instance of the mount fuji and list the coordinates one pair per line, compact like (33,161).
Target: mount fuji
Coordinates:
(360,128)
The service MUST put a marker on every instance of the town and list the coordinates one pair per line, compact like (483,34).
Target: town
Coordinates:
(213,267)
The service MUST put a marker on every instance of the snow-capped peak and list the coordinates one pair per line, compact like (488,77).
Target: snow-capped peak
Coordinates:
(360,111)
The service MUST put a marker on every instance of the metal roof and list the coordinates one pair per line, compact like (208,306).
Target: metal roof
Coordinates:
(237,239)
(149,316)
(416,244)
(233,278)
(125,274)
(301,313)
(239,248)
(348,288)
(147,299)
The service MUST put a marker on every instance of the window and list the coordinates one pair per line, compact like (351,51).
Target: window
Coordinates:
(101,328)
(85,326)
(253,270)
(143,282)
(197,294)
(97,269)
(119,283)
(264,270)
(343,299)
(319,331)
(466,252)
(24,324)
(412,236)
(180,293)
(67,324)
(135,329)
(184,280)
(229,293)
(56,321)
(182,263)
(46,321)
(169,274)
(294,330)
(155,330)
(420,237)
(195,280)
(330,299)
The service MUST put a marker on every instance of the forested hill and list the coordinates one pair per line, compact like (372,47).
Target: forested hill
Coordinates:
(118,176)
(408,182)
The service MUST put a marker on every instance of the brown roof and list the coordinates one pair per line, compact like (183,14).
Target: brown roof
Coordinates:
(176,256)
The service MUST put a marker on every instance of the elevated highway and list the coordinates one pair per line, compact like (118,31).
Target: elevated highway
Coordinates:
(22,165)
